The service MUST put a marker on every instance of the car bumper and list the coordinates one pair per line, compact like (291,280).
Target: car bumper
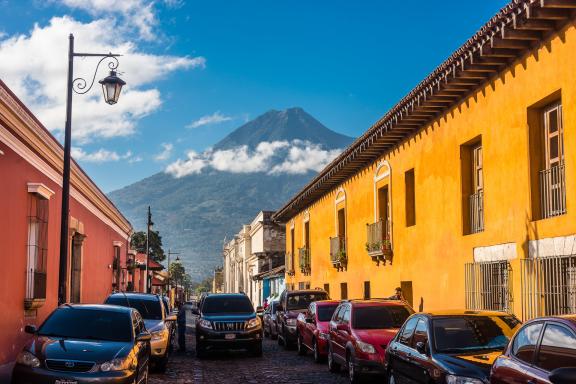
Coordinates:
(290,334)
(158,348)
(366,366)
(322,346)
(218,340)
(27,375)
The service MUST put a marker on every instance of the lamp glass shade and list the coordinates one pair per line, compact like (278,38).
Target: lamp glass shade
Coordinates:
(111,87)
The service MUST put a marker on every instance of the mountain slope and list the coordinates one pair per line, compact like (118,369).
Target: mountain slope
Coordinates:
(194,213)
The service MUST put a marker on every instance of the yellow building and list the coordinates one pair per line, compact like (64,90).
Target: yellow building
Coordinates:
(464,194)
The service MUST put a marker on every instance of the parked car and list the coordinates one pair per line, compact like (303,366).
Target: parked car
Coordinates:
(86,343)
(151,307)
(269,321)
(449,347)
(227,321)
(360,331)
(290,305)
(542,351)
(168,310)
(312,328)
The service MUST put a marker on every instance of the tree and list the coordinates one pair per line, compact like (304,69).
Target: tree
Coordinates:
(138,243)
(177,273)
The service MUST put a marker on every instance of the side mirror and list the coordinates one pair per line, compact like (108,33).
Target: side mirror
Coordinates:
(170,318)
(144,336)
(31,329)
(343,327)
(563,376)
(421,347)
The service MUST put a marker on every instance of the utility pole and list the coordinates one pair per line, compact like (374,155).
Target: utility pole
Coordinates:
(147,288)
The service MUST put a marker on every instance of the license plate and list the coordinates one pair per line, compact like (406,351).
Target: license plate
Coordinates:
(65,381)
(229,336)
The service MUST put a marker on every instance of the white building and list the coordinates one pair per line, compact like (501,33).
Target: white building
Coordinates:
(258,248)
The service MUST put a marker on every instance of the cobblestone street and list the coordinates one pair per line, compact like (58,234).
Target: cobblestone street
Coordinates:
(277,365)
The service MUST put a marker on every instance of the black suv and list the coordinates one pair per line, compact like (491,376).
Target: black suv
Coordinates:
(227,321)
(291,304)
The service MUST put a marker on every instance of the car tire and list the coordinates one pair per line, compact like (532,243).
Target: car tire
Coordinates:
(333,366)
(273,334)
(266,332)
(256,350)
(316,351)
(279,339)
(162,364)
(353,374)
(300,347)
(200,350)
(285,338)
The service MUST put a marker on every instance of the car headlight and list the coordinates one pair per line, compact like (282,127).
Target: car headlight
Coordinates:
(365,347)
(453,379)
(28,359)
(159,335)
(291,322)
(252,323)
(119,364)
(324,336)
(205,324)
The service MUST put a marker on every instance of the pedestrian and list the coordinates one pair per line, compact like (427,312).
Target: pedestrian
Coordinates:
(181,320)
(397,295)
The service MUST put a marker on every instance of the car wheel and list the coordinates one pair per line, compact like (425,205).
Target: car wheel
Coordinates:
(162,364)
(332,365)
(285,338)
(317,357)
(256,350)
(301,348)
(280,340)
(200,350)
(353,374)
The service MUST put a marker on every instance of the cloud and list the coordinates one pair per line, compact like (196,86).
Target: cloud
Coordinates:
(100,156)
(34,67)
(166,152)
(275,157)
(215,118)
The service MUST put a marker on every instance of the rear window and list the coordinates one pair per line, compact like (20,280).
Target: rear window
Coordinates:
(325,312)
(90,324)
(303,300)
(381,317)
(227,305)
(150,309)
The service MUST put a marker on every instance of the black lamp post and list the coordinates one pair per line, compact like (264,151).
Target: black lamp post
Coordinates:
(111,86)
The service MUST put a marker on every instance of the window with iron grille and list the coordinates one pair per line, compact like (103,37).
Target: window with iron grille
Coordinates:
(489,286)
(548,286)
(37,247)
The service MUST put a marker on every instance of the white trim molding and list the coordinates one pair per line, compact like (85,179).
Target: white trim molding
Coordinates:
(552,246)
(117,243)
(499,252)
(40,189)
(339,198)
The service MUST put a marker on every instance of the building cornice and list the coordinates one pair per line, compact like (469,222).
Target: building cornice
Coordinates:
(519,27)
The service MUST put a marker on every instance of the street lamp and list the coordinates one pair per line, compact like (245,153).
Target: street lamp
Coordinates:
(111,86)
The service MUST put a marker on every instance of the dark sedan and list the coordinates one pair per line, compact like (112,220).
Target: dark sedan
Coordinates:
(86,344)
(542,351)
(456,347)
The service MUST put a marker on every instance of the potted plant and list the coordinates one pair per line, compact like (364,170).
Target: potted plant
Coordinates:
(387,250)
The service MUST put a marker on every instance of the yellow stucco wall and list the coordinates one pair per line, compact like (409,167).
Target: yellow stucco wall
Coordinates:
(432,253)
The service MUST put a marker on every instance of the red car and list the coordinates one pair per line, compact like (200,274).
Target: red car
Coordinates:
(312,328)
(360,331)
(543,351)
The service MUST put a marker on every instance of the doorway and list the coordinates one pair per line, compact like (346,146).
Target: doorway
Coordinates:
(76,268)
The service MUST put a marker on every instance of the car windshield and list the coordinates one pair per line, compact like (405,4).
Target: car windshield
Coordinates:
(150,309)
(227,305)
(325,312)
(90,324)
(303,300)
(471,333)
(380,317)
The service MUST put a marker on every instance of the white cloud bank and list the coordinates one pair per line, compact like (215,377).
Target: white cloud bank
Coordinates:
(166,152)
(274,157)
(101,156)
(34,66)
(215,118)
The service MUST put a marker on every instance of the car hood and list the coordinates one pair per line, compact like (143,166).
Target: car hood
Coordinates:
(45,347)
(376,336)
(475,364)
(229,316)
(153,325)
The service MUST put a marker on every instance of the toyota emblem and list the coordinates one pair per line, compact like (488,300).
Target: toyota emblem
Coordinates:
(69,364)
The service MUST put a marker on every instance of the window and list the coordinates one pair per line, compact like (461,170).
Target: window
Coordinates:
(525,342)
(346,316)
(420,333)
(380,317)
(558,348)
(366,290)
(410,198)
(327,288)
(343,291)
(489,286)
(471,160)
(37,248)
(338,314)
(406,336)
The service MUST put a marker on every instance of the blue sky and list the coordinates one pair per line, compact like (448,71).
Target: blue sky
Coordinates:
(344,62)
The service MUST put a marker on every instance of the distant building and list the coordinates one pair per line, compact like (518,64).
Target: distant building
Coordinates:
(258,248)
(31,162)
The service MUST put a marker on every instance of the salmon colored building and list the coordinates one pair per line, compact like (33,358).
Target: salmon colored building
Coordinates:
(464,193)
(30,202)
